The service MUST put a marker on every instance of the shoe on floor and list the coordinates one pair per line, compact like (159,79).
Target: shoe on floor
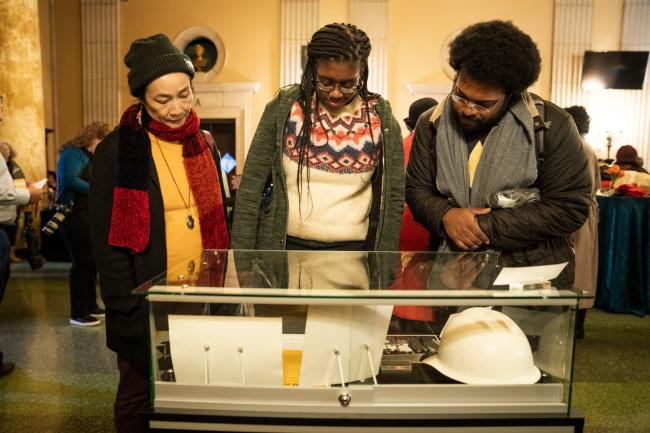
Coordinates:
(98,313)
(84,321)
(6,368)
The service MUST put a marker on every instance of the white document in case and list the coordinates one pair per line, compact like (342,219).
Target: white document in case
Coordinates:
(348,329)
(258,363)
(528,274)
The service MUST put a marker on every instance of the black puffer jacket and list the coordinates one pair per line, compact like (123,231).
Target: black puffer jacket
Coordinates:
(532,234)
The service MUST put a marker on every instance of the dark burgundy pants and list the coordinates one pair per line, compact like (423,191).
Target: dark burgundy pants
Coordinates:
(131,400)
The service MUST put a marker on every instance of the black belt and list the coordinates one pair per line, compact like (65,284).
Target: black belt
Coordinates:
(6,226)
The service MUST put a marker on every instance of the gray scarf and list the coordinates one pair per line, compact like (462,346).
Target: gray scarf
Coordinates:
(508,160)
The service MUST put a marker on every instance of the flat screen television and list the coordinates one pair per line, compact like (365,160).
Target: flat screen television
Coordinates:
(615,69)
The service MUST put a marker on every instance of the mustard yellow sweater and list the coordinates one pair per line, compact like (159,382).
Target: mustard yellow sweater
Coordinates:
(182,243)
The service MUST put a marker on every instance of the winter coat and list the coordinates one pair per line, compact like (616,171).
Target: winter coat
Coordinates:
(535,233)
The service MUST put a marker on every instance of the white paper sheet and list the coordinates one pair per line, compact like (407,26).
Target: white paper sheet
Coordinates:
(259,337)
(529,274)
(349,329)
(40,183)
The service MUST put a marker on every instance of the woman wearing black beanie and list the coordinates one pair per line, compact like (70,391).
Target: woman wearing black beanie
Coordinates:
(155,200)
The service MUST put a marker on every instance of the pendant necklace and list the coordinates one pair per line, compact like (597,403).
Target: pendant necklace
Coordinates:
(189,221)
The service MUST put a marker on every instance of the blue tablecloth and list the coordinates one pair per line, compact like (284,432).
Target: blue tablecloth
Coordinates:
(624,255)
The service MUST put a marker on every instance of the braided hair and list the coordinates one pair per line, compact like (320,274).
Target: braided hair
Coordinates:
(336,42)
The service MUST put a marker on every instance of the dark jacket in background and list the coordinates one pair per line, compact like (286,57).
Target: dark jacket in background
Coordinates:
(536,233)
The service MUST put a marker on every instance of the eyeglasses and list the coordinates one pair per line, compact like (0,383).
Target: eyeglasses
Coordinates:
(472,105)
(346,89)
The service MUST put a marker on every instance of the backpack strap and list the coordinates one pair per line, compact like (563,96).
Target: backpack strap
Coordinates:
(537,108)
(434,120)
(437,112)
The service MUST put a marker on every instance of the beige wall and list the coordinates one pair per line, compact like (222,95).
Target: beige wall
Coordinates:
(67,69)
(333,11)
(250,30)
(48,79)
(418,28)
(607,25)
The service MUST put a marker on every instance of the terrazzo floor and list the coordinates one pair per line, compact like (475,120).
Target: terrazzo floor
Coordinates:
(65,377)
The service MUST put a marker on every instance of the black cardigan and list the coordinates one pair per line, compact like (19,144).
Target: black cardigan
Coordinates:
(120,271)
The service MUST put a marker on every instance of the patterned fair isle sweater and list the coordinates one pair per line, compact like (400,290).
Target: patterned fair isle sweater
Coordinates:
(334,205)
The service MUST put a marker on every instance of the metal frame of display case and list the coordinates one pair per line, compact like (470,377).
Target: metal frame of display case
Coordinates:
(164,422)
(541,407)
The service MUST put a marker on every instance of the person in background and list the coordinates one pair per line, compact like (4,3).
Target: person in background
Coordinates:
(7,151)
(412,235)
(325,167)
(51,189)
(10,197)
(23,234)
(155,200)
(585,239)
(482,140)
(632,173)
(628,159)
(10,157)
(74,171)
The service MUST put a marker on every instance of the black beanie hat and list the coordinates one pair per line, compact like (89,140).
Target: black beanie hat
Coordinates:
(152,57)
(417,108)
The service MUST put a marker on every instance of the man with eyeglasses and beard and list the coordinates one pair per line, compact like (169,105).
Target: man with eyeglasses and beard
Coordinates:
(491,135)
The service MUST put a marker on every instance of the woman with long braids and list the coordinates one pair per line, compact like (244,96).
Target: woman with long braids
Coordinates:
(155,200)
(325,168)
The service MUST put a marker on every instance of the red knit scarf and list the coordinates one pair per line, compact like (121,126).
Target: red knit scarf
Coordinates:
(130,219)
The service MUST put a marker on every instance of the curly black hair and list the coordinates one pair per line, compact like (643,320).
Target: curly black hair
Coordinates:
(496,53)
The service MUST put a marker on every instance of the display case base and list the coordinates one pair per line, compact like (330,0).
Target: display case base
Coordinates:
(186,422)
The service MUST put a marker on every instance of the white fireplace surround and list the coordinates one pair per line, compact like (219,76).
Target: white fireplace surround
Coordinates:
(228,101)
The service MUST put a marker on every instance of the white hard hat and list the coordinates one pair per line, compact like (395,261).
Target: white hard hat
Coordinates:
(483,346)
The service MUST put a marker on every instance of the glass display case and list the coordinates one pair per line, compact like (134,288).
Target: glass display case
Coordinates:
(291,340)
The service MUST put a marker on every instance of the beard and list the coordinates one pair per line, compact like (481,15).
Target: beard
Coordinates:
(474,124)
(477,125)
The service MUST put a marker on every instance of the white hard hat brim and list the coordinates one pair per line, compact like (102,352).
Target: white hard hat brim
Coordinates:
(529,377)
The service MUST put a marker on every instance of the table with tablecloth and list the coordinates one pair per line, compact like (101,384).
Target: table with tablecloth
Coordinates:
(624,255)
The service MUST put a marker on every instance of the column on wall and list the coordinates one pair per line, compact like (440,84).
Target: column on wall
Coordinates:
(636,37)
(21,84)
(299,21)
(372,17)
(100,60)
(571,37)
